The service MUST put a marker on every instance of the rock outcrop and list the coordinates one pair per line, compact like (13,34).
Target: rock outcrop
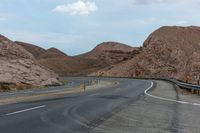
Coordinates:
(18,67)
(172,52)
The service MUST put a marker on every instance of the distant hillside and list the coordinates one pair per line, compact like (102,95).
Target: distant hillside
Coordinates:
(33,49)
(40,53)
(172,52)
(112,52)
(103,56)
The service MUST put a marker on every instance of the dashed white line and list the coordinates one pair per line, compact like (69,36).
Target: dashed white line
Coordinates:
(167,99)
(25,110)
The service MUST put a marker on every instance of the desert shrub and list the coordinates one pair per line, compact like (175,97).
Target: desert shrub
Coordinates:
(23,86)
(5,87)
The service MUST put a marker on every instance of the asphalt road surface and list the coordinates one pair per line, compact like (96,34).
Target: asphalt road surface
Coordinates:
(71,83)
(121,108)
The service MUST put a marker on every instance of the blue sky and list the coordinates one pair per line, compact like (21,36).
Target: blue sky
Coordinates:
(77,26)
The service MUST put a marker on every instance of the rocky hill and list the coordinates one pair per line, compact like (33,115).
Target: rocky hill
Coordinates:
(112,52)
(172,52)
(33,49)
(103,56)
(19,68)
(52,53)
(58,61)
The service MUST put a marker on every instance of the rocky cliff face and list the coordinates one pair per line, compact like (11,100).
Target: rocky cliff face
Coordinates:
(18,66)
(172,52)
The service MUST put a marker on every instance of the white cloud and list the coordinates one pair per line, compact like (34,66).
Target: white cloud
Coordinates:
(80,7)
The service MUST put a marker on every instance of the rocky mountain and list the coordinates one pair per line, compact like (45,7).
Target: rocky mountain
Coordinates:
(52,53)
(112,52)
(33,49)
(40,53)
(103,56)
(172,52)
(57,61)
(52,58)
(19,68)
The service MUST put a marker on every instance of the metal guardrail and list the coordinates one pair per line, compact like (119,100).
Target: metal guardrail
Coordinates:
(179,83)
(186,85)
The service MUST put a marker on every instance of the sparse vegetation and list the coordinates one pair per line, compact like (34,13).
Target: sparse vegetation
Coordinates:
(5,87)
(23,86)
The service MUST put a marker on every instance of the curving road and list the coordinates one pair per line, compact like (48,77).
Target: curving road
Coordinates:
(121,108)
(71,83)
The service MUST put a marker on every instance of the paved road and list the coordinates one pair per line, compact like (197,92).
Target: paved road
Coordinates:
(163,110)
(70,84)
(123,108)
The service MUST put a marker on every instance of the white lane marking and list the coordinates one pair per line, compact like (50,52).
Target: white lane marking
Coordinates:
(167,99)
(25,110)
